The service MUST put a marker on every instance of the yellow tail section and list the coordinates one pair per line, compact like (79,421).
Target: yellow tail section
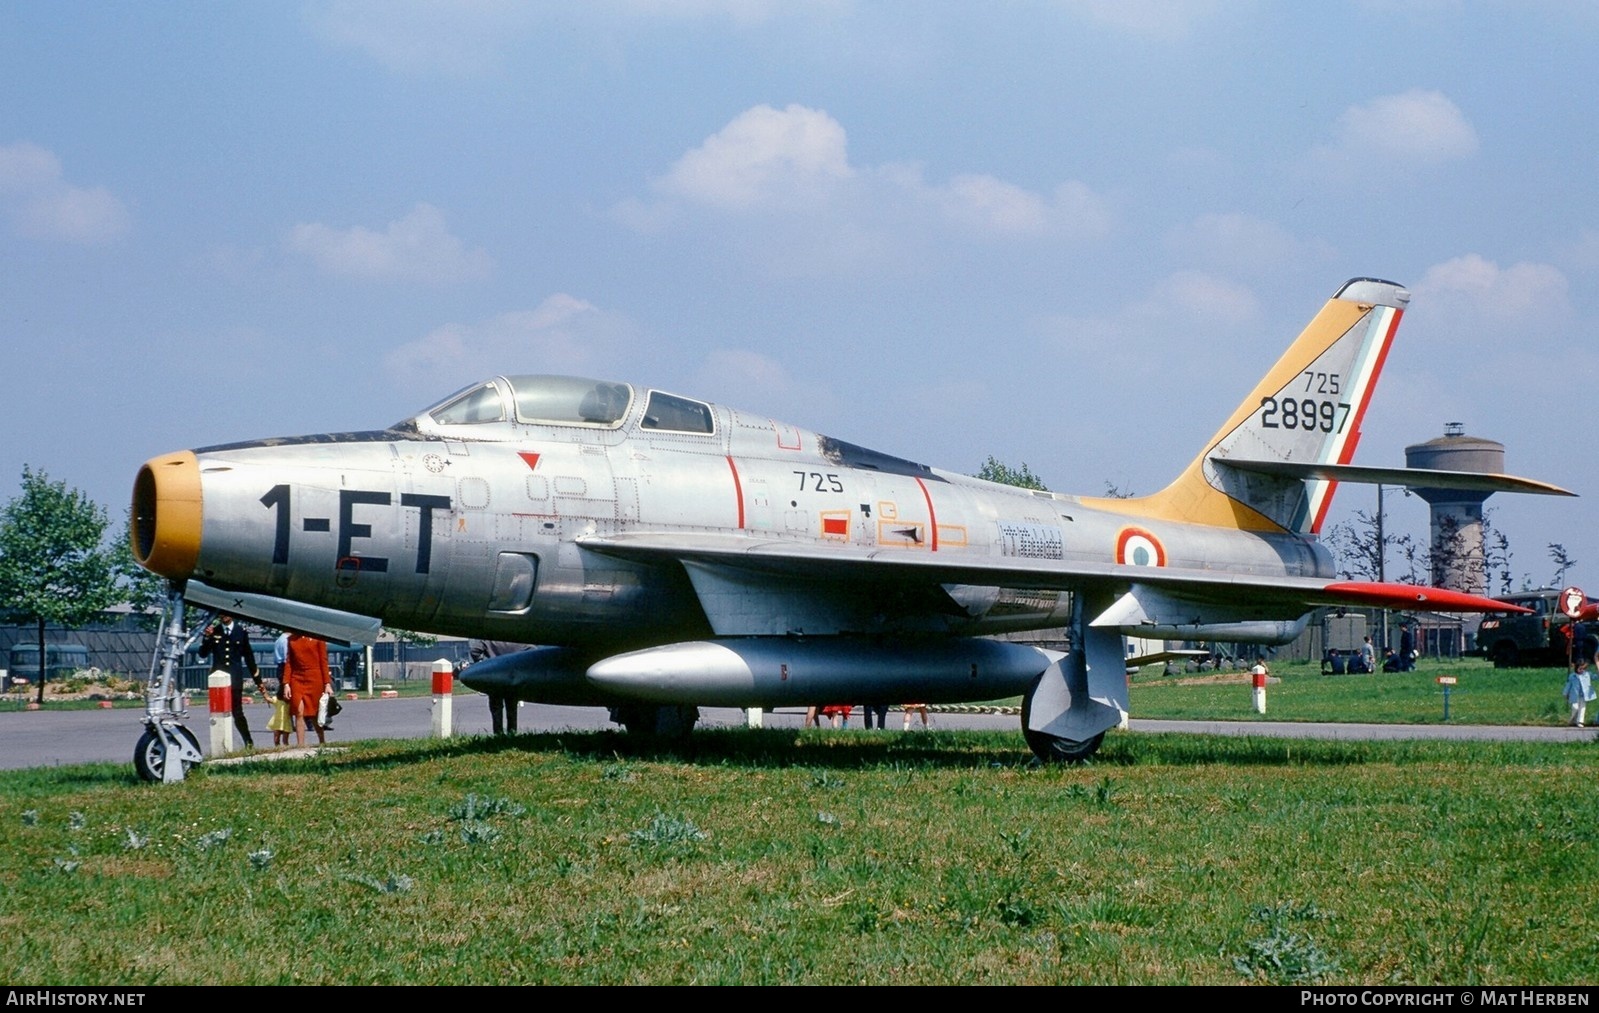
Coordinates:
(1307,409)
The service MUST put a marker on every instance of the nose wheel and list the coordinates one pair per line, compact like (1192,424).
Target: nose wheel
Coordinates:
(151,755)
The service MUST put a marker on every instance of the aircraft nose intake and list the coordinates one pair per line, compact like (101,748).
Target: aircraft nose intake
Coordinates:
(167,515)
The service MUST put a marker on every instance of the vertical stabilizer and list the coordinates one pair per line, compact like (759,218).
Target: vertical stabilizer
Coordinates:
(1306,410)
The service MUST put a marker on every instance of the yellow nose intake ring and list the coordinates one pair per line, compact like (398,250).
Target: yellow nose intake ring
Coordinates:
(167,515)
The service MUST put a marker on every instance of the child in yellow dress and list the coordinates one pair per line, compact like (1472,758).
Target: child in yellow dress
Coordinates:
(280,722)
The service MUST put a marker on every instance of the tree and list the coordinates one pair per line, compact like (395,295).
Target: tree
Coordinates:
(1563,562)
(142,590)
(1360,547)
(53,567)
(1496,555)
(1023,477)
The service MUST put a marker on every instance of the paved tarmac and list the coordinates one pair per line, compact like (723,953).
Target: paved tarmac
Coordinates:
(53,737)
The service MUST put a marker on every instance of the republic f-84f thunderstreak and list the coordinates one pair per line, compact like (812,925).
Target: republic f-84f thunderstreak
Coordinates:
(669,552)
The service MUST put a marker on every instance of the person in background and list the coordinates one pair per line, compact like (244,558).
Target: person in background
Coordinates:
(877,711)
(306,671)
(502,703)
(914,708)
(281,720)
(1368,656)
(1579,690)
(227,644)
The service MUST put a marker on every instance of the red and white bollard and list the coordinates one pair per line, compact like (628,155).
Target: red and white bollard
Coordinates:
(443,686)
(1258,673)
(220,689)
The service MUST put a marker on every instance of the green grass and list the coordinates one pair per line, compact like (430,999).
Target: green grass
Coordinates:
(771,856)
(1482,695)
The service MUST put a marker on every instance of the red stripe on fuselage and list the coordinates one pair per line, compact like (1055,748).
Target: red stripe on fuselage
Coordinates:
(738,490)
(932,518)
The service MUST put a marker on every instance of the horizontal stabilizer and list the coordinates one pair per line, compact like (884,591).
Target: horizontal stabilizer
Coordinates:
(1413,478)
(1412,596)
(329,624)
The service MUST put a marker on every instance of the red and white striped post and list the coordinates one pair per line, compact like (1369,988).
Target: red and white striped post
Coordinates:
(443,686)
(1259,677)
(220,687)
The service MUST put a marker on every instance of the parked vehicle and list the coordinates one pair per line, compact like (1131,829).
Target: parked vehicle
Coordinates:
(61,661)
(1537,639)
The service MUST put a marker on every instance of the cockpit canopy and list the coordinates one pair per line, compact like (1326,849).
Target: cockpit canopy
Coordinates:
(552,400)
(566,401)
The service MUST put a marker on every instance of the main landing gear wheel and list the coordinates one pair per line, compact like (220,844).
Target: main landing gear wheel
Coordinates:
(150,755)
(1052,748)
(665,721)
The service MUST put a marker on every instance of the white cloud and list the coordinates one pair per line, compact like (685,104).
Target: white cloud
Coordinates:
(1486,345)
(1421,126)
(563,334)
(417,247)
(1476,287)
(781,183)
(1396,133)
(763,155)
(40,204)
(993,207)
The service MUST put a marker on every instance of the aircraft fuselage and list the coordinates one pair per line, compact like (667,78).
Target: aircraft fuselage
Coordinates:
(479,529)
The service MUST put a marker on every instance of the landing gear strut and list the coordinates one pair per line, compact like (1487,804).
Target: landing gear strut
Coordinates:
(167,749)
(1075,701)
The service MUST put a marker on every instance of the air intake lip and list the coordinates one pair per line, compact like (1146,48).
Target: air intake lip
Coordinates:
(167,513)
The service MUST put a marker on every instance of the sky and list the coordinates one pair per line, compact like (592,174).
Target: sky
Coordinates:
(1070,234)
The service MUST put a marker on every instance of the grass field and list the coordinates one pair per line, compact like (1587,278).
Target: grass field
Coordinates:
(823,857)
(1482,695)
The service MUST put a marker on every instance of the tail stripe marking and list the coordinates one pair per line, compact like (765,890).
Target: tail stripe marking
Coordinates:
(1370,359)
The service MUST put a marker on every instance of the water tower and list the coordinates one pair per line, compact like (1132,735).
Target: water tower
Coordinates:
(1458,559)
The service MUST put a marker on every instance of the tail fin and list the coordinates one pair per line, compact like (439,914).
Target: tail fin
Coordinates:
(1306,411)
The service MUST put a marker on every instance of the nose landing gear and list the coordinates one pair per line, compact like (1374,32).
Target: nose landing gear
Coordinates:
(167,749)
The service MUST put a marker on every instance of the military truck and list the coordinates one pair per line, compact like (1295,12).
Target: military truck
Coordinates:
(1537,639)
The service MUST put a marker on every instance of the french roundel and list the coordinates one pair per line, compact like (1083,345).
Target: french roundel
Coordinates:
(1137,547)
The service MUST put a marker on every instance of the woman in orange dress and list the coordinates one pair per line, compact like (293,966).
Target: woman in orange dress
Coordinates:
(306,667)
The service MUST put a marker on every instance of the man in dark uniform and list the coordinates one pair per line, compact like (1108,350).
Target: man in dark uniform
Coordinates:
(228,646)
(502,704)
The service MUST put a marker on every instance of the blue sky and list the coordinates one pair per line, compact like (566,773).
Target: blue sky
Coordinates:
(1070,233)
